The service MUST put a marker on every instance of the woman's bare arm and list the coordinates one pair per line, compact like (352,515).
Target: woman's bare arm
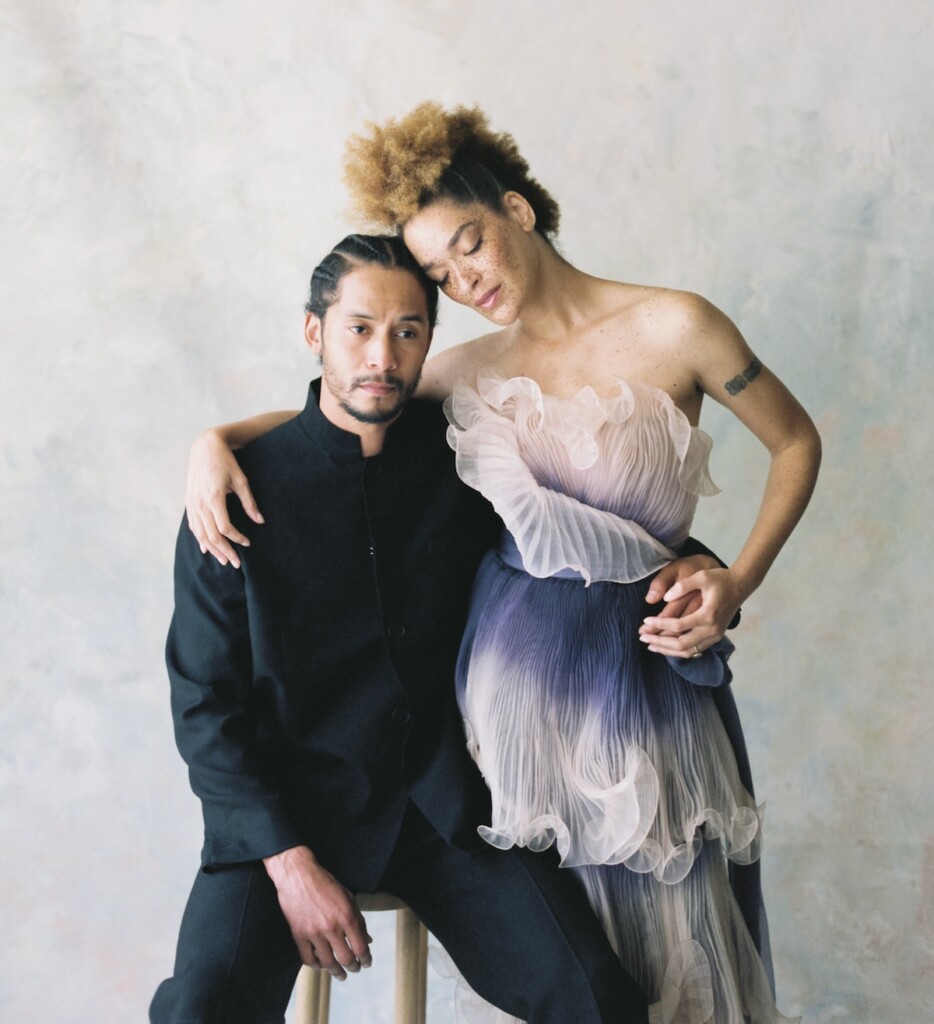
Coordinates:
(729,372)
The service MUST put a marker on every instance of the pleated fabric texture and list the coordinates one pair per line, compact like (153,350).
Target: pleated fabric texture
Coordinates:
(588,741)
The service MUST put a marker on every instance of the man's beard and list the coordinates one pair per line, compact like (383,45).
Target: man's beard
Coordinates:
(383,415)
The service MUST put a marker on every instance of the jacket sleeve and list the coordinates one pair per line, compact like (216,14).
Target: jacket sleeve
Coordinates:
(210,669)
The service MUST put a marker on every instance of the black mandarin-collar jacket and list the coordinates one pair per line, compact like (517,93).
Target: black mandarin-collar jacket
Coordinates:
(313,690)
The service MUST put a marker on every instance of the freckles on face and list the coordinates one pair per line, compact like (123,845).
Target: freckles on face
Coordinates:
(475,255)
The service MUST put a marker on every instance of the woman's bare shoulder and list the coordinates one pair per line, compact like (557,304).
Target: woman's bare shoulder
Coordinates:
(666,305)
(460,362)
(672,339)
(672,317)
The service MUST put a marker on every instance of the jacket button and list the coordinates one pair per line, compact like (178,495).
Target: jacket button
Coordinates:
(396,631)
(401,716)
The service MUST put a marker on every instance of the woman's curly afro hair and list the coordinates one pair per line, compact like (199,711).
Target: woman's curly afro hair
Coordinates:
(402,166)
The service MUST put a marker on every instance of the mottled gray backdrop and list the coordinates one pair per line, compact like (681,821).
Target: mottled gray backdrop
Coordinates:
(171,173)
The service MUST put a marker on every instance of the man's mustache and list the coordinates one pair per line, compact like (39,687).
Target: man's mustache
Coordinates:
(385,379)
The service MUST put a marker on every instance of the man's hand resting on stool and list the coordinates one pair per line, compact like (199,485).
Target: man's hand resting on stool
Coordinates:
(327,927)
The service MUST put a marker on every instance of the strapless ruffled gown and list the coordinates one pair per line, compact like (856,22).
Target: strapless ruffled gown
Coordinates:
(632,764)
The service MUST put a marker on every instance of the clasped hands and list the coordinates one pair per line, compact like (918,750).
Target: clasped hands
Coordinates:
(701,599)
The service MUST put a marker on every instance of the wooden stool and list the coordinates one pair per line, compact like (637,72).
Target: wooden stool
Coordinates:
(313,992)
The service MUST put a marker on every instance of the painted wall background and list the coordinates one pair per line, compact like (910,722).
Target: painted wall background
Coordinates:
(169,177)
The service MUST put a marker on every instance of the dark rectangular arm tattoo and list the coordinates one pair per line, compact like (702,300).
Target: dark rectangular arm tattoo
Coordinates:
(736,384)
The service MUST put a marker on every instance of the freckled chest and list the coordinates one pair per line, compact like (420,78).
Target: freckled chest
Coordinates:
(596,356)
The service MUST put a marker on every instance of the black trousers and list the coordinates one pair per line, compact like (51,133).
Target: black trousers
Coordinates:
(519,929)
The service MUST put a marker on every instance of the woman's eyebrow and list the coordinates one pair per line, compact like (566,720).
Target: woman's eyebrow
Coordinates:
(454,239)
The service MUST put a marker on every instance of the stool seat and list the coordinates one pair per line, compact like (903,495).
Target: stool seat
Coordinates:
(313,988)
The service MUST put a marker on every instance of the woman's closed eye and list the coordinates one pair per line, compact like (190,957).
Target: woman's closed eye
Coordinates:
(442,282)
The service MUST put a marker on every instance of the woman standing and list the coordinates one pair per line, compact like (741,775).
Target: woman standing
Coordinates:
(609,734)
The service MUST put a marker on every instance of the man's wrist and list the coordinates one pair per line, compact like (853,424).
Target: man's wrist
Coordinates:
(278,865)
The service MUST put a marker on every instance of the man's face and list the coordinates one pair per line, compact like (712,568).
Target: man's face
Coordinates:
(372,344)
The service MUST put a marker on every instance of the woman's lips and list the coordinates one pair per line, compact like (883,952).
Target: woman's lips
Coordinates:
(488,299)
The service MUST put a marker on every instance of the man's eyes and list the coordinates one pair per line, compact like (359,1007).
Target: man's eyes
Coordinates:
(403,332)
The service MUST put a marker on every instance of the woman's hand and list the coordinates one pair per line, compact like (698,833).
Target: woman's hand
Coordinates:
(213,473)
(701,604)
(669,575)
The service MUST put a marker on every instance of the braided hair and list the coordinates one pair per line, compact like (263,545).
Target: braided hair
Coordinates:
(362,250)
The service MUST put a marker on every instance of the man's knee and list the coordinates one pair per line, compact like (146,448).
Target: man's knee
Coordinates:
(522,933)
(236,962)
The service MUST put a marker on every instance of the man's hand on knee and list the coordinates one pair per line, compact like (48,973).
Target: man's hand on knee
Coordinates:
(328,929)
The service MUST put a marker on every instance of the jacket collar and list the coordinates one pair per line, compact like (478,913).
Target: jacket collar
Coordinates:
(330,438)
(345,446)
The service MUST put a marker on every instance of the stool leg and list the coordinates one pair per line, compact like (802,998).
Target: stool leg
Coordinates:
(324,996)
(313,998)
(411,966)
(422,973)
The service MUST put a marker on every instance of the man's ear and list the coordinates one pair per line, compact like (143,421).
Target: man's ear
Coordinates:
(313,332)
(520,210)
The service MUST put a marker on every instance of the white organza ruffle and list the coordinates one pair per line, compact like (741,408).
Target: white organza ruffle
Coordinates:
(600,796)
(605,796)
(552,469)
(622,764)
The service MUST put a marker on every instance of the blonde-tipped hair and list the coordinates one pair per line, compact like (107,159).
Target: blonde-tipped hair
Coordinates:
(402,166)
